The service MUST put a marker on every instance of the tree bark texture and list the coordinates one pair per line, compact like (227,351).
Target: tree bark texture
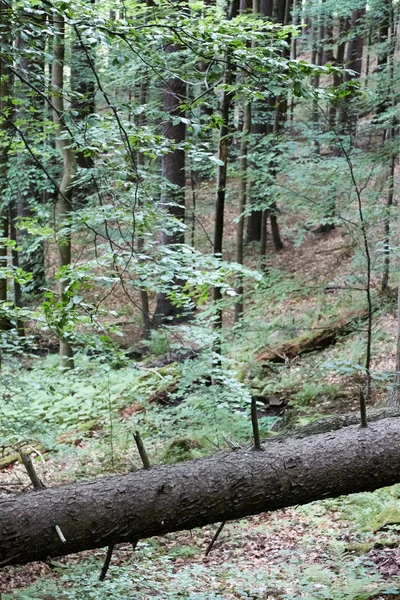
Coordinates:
(64,200)
(196,493)
(173,172)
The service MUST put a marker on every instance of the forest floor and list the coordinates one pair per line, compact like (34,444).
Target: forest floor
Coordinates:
(346,548)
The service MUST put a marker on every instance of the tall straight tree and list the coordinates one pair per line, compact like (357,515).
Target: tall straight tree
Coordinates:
(63,206)
(144,297)
(173,172)
(282,16)
(386,64)
(5,116)
(261,124)
(30,86)
(243,185)
(353,60)
(222,169)
(83,91)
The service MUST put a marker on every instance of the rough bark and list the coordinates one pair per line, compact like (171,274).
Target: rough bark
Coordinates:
(64,200)
(173,172)
(322,337)
(196,493)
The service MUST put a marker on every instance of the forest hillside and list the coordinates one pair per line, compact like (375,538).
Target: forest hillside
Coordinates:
(199,299)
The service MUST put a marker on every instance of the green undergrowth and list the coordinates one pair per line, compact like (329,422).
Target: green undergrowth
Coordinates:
(87,419)
(92,412)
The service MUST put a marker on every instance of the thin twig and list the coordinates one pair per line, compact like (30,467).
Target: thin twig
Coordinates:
(142,450)
(254,423)
(216,536)
(30,469)
(106,563)
(363,409)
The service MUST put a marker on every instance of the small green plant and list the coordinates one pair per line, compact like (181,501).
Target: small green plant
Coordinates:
(310,392)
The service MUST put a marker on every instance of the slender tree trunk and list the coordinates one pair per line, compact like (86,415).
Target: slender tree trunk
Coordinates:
(173,172)
(389,38)
(222,169)
(144,297)
(4,322)
(260,126)
(386,240)
(368,58)
(338,62)
(31,67)
(242,206)
(6,113)
(394,394)
(348,114)
(317,58)
(63,207)
(263,241)
(83,92)
(282,16)
(12,214)
(227,486)
(293,51)
(384,84)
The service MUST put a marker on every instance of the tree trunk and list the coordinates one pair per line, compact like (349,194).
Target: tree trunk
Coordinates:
(394,394)
(83,105)
(12,215)
(64,200)
(389,26)
(4,322)
(31,67)
(173,172)
(227,486)
(242,206)
(222,170)
(260,126)
(144,297)
(5,111)
(282,16)
(83,92)
(354,56)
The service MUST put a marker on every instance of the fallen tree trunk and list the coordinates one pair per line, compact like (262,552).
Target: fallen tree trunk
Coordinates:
(317,339)
(195,493)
